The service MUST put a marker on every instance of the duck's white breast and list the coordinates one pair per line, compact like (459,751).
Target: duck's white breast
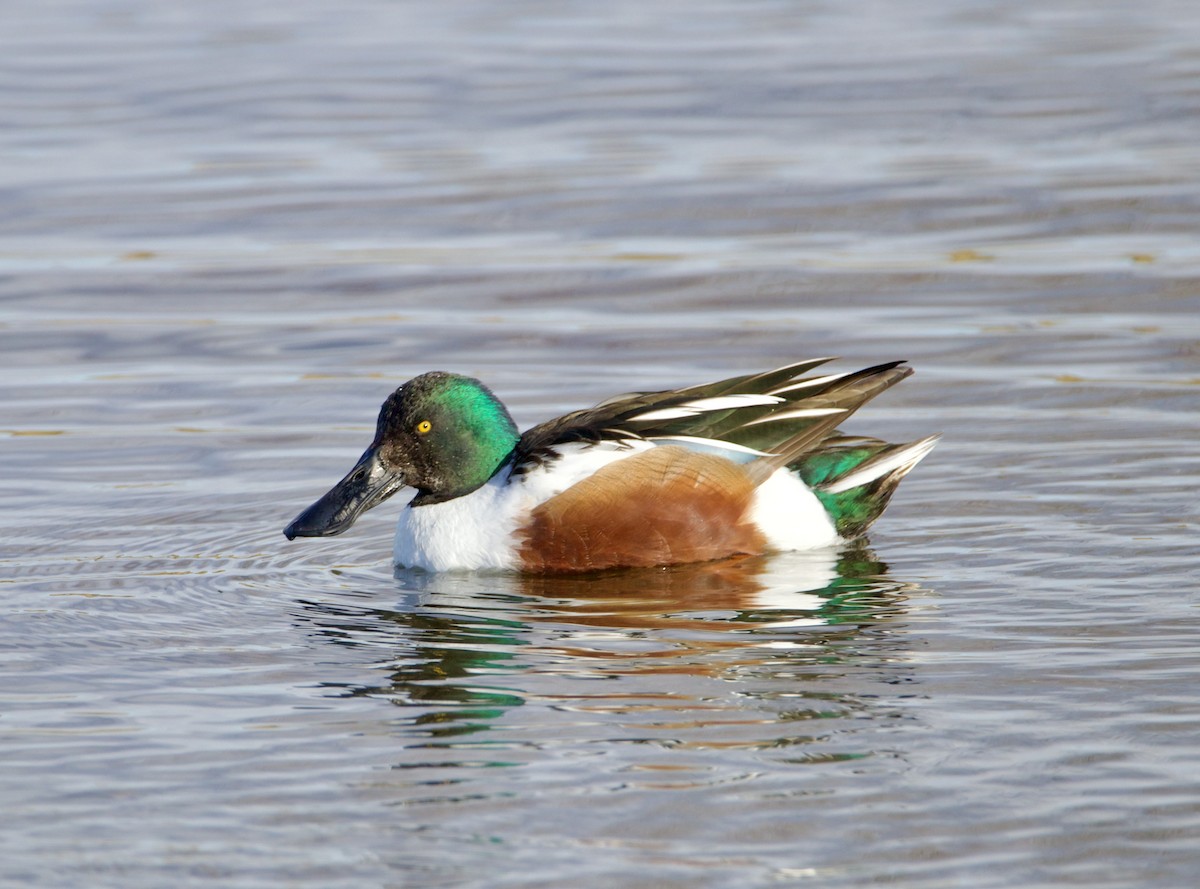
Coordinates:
(474,532)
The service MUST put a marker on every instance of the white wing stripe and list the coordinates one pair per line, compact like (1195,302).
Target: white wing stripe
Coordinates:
(666,413)
(704,405)
(729,402)
(798,414)
(804,384)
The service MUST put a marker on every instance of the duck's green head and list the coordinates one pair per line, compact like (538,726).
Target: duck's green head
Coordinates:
(441,433)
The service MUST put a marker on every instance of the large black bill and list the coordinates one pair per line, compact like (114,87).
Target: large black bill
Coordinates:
(368,484)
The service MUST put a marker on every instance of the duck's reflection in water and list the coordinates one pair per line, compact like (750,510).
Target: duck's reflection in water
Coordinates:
(787,638)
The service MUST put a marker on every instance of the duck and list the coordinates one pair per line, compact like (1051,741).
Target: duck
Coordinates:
(744,466)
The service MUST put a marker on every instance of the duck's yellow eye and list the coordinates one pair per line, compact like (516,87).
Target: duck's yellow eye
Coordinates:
(423,427)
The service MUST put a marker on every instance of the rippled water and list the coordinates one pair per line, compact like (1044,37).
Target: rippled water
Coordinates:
(230,230)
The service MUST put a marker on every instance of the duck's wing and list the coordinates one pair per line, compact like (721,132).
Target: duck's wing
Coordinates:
(768,419)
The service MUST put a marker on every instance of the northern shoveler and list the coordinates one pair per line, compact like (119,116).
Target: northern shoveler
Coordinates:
(745,465)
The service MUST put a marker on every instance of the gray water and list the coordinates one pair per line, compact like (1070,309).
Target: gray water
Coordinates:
(229,230)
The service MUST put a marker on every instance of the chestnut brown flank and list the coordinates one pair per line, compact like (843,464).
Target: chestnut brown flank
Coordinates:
(665,506)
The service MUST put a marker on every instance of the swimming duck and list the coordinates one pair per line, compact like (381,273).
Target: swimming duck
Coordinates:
(746,465)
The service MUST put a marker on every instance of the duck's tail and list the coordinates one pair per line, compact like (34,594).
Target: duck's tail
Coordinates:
(854,478)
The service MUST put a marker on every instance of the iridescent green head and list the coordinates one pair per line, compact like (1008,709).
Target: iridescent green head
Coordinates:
(441,433)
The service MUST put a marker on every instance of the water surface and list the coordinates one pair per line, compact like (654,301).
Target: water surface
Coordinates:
(232,230)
